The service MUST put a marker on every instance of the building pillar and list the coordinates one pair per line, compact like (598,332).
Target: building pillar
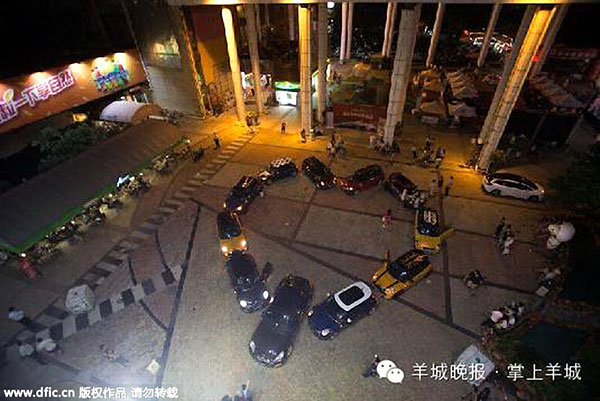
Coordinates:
(322,63)
(349,33)
(435,35)
(291,22)
(388,21)
(258,23)
(344,31)
(401,74)
(391,33)
(234,64)
(559,16)
(516,78)
(254,58)
(305,75)
(489,32)
(267,17)
(508,66)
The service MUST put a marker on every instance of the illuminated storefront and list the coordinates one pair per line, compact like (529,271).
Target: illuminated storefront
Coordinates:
(29,98)
(286,93)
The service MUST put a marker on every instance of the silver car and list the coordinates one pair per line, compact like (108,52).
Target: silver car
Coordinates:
(507,184)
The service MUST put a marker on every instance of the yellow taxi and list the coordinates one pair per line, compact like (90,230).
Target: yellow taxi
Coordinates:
(401,274)
(428,231)
(231,234)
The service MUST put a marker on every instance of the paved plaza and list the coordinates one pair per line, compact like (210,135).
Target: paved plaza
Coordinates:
(163,250)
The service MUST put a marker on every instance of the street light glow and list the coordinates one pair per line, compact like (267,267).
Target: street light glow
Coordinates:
(330,4)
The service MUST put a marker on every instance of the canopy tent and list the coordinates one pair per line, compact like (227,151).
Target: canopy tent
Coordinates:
(433,85)
(32,209)
(123,111)
(555,93)
(460,109)
(435,108)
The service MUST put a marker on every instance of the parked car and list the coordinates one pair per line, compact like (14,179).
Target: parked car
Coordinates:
(278,170)
(508,184)
(247,285)
(428,231)
(318,173)
(340,310)
(395,277)
(361,180)
(272,342)
(397,183)
(231,233)
(242,195)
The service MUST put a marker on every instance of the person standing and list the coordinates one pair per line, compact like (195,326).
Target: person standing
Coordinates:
(440,183)
(510,239)
(386,220)
(431,188)
(413,150)
(428,142)
(372,368)
(303,135)
(500,229)
(283,125)
(245,394)
(17,315)
(449,185)
(217,140)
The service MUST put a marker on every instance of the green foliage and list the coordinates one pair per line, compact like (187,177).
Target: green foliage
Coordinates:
(57,146)
(579,187)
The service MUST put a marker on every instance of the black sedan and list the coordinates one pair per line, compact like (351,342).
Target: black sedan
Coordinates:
(318,173)
(397,183)
(250,290)
(341,309)
(244,192)
(272,342)
(278,170)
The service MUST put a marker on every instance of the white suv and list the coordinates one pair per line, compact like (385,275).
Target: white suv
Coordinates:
(507,184)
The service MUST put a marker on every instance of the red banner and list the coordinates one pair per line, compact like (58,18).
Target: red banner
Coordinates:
(358,112)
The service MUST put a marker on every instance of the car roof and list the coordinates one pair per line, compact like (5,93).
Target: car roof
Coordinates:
(354,295)
(281,162)
(312,160)
(245,181)
(369,168)
(428,216)
(408,259)
(242,264)
(509,176)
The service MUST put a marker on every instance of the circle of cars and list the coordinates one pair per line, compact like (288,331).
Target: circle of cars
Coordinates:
(272,341)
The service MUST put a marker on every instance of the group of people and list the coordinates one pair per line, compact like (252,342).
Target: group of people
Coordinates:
(439,182)
(506,317)
(243,395)
(504,236)
(336,146)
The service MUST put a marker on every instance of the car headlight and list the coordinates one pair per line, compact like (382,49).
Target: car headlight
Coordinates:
(243,242)
(243,303)
(265,294)
(322,183)
(310,313)
(239,208)
(279,357)
(224,249)
(375,277)
(325,332)
(252,346)
(225,205)
(390,290)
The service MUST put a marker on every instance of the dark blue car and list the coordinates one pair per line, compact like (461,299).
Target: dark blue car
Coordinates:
(242,194)
(250,290)
(341,309)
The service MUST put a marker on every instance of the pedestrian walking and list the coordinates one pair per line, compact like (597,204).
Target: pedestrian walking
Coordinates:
(449,185)
(500,228)
(431,188)
(510,239)
(428,142)
(386,220)
(17,315)
(372,368)
(303,135)
(217,140)
(245,394)
(413,150)
(283,125)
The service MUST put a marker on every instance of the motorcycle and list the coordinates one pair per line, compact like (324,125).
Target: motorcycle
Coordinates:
(162,165)
(112,202)
(504,319)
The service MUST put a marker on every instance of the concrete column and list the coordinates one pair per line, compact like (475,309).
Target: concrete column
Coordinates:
(488,34)
(344,31)
(258,23)
(349,33)
(234,63)
(305,75)
(267,17)
(392,25)
(401,74)
(254,58)
(435,35)
(535,33)
(561,11)
(388,21)
(291,22)
(322,63)
(508,66)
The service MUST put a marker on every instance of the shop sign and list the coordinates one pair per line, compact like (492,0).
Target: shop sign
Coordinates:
(109,76)
(359,112)
(31,95)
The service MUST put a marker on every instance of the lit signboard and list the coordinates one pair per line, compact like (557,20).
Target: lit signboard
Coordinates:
(28,98)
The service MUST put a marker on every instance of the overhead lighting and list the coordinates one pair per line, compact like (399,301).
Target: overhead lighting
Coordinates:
(330,4)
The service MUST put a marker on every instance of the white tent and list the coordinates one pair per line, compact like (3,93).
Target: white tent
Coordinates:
(123,111)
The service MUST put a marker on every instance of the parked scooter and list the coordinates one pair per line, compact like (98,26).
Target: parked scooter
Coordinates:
(112,202)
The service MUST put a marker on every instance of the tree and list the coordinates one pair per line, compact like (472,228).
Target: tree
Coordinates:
(579,188)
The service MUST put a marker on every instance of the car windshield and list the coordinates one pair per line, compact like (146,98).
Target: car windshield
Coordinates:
(228,226)
(351,295)
(245,283)
(399,272)
(281,323)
